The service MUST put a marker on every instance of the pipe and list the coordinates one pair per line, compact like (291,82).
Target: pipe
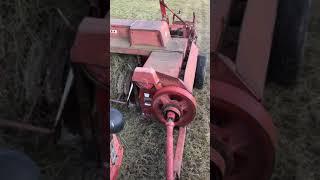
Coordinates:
(169,151)
(24,126)
(179,151)
(65,94)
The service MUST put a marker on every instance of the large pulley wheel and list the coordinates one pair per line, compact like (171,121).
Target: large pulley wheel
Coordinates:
(244,134)
(218,165)
(177,100)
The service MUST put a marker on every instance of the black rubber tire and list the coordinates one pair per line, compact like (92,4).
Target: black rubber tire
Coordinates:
(288,41)
(199,78)
(100,9)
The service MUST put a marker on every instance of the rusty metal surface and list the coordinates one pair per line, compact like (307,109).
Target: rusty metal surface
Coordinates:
(178,98)
(116,157)
(90,44)
(255,43)
(149,82)
(244,132)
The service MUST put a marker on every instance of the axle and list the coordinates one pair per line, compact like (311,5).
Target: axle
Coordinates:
(174,160)
(169,152)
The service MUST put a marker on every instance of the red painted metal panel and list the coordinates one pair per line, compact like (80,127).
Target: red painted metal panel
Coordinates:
(115,168)
(179,150)
(225,70)
(145,75)
(150,33)
(191,67)
(91,42)
(123,46)
(255,43)
(120,32)
(145,38)
(168,63)
(169,151)
(120,28)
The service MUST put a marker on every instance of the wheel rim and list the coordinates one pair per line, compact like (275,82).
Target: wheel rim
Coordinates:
(245,135)
(178,98)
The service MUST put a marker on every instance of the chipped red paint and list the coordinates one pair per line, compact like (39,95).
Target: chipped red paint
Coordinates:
(179,151)
(179,98)
(118,149)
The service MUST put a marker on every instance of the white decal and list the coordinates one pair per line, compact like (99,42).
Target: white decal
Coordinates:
(113,31)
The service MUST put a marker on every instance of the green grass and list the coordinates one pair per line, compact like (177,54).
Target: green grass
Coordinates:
(297,117)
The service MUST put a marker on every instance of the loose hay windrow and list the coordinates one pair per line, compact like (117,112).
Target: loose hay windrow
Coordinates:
(121,69)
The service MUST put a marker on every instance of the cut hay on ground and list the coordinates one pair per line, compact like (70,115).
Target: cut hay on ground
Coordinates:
(34,50)
(35,45)
(121,69)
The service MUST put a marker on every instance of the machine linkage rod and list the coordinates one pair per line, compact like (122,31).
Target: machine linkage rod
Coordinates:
(174,161)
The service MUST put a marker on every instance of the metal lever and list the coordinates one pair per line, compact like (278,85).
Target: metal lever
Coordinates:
(64,96)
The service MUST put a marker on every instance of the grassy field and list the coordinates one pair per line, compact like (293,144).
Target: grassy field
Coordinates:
(144,140)
(296,113)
